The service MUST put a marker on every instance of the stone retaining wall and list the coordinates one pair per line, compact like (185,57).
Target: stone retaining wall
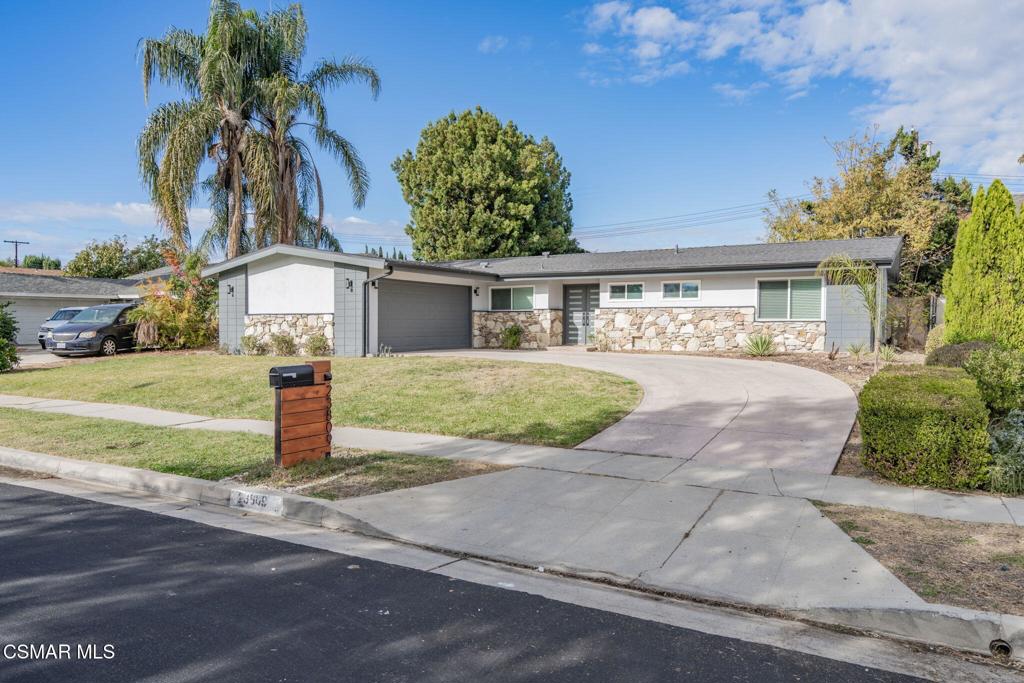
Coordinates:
(542,328)
(698,329)
(299,326)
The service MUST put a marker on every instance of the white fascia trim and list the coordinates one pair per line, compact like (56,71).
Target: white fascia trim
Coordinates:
(292,250)
(668,276)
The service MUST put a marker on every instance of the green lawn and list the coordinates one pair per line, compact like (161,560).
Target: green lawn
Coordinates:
(247,458)
(504,400)
(190,452)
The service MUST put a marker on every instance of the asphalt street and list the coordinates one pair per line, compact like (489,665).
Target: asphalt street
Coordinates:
(138,596)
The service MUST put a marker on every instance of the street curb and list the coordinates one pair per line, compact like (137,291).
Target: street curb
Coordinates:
(942,625)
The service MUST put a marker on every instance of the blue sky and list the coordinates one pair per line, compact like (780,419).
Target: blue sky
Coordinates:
(659,110)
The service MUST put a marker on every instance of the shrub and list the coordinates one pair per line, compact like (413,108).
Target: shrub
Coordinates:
(888,353)
(9,358)
(252,346)
(759,345)
(283,344)
(1000,377)
(857,349)
(925,426)
(317,345)
(1007,445)
(180,313)
(955,355)
(8,324)
(511,337)
(935,338)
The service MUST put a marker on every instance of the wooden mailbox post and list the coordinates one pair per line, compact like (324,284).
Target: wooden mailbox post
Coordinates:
(302,412)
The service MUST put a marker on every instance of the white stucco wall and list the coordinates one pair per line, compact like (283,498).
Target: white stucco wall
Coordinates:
(716,291)
(289,284)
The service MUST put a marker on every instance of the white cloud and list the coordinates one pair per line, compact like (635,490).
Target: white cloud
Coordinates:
(592,49)
(131,214)
(492,44)
(950,68)
(738,93)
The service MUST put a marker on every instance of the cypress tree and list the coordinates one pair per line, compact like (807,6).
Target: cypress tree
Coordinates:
(985,285)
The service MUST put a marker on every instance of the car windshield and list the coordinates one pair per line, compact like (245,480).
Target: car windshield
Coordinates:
(96,315)
(65,315)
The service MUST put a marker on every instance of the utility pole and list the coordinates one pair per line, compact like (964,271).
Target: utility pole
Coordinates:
(15,243)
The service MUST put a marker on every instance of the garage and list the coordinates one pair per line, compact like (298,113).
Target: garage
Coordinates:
(35,297)
(421,316)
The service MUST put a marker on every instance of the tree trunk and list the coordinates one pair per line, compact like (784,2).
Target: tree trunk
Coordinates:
(234,247)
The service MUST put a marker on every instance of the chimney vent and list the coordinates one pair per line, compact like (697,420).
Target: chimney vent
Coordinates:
(545,254)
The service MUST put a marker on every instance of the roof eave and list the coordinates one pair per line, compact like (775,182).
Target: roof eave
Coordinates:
(292,250)
(677,269)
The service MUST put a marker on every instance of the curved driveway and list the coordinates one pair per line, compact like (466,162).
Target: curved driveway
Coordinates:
(718,411)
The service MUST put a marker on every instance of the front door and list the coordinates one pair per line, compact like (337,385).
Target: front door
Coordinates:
(581,303)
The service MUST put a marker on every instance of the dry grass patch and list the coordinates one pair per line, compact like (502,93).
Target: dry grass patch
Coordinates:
(966,564)
(350,473)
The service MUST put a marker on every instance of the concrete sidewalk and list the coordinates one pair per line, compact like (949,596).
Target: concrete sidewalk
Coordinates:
(771,482)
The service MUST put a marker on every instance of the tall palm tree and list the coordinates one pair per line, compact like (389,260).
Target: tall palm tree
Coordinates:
(218,71)
(283,177)
(246,100)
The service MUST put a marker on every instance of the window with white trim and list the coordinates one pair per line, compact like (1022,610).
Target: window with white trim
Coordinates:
(685,289)
(631,291)
(793,299)
(511,298)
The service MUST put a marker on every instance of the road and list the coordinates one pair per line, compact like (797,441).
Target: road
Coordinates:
(174,600)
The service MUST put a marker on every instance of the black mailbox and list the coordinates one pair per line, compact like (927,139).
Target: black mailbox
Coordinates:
(291,376)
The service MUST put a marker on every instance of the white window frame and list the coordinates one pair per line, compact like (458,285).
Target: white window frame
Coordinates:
(512,298)
(625,292)
(700,290)
(789,299)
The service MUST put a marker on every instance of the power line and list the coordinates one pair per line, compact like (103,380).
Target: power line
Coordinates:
(644,221)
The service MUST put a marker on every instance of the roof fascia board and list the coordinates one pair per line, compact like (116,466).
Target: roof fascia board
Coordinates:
(298,252)
(426,269)
(668,271)
(68,295)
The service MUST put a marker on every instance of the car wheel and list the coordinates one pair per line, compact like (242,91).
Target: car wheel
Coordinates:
(42,345)
(108,347)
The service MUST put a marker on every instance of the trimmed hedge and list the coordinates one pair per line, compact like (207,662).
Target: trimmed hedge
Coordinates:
(1000,377)
(955,355)
(925,426)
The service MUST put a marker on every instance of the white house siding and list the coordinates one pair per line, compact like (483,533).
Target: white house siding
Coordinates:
(290,285)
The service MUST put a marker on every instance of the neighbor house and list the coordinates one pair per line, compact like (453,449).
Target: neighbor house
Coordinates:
(693,299)
(35,295)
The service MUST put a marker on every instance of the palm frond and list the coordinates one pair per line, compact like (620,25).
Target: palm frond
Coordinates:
(172,60)
(348,157)
(330,74)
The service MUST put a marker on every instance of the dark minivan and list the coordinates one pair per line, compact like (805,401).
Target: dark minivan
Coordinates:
(102,330)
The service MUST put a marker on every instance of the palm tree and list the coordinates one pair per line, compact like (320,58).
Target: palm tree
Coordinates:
(218,71)
(283,177)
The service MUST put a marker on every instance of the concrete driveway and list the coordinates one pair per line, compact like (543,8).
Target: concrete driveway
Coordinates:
(718,411)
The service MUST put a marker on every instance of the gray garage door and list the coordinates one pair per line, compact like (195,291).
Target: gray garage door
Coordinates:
(418,316)
(31,313)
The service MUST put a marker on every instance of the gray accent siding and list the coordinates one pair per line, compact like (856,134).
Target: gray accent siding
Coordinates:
(846,321)
(418,316)
(232,307)
(348,310)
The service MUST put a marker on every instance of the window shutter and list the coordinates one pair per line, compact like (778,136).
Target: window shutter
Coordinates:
(805,299)
(771,299)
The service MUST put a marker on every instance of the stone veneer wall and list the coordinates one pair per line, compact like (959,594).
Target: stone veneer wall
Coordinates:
(698,329)
(542,327)
(300,326)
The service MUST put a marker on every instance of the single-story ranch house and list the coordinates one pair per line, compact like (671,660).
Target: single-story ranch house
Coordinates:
(703,298)
(35,295)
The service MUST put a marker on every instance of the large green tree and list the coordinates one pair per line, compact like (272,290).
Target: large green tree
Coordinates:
(985,299)
(250,110)
(478,188)
(882,190)
(40,262)
(113,258)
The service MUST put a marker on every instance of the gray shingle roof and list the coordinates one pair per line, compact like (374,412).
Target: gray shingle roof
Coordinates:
(768,256)
(60,285)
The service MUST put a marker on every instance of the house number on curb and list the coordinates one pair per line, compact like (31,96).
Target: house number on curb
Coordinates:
(257,502)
